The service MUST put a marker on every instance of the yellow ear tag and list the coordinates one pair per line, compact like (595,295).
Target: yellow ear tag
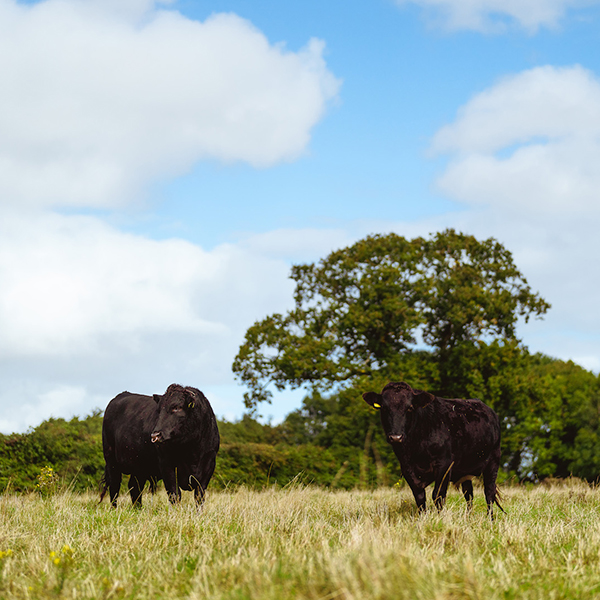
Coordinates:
(375,405)
(191,405)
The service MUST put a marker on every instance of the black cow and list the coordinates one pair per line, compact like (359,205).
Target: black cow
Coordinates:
(172,437)
(440,440)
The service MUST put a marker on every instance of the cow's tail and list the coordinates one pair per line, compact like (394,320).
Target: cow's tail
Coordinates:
(497,498)
(104,486)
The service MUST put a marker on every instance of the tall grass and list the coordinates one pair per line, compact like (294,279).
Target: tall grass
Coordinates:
(302,543)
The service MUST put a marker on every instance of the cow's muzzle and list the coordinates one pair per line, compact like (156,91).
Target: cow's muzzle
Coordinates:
(395,439)
(156,437)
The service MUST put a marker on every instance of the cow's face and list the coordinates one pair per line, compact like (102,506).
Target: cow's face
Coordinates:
(396,403)
(175,410)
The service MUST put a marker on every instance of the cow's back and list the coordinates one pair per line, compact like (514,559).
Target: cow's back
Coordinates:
(474,434)
(128,422)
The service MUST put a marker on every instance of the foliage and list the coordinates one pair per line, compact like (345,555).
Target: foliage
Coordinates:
(61,454)
(257,455)
(72,449)
(248,431)
(363,309)
(471,291)
(259,465)
(565,406)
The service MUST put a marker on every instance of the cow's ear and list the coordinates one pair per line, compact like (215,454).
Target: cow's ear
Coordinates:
(422,399)
(157,398)
(193,396)
(373,399)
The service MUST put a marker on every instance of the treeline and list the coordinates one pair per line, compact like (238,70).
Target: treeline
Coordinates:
(72,449)
(251,454)
(550,411)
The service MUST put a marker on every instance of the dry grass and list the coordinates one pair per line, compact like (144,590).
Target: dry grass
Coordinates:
(303,543)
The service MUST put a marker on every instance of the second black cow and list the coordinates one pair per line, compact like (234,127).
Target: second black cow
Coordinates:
(438,440)
(173,437)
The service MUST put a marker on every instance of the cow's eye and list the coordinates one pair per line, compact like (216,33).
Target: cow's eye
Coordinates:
(177,409)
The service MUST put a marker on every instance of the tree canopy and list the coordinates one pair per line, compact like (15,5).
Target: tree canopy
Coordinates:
(364,309)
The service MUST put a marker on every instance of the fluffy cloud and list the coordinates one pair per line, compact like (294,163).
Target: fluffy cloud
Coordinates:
(101,98)
(529,143)
(70,283)
(68,279)
(493,15)
(523,156)
(87,311)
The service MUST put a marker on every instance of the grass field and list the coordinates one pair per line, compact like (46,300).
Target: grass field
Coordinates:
(303,543)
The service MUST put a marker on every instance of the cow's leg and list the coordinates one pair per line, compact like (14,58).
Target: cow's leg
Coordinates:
(489,482)
(200,482)
(467,490)
(196,484)
(415,484)
(136,487)
(440,488)
(175,497)
(172,486)
(420,499)
(113,478)
(199,493)
(104,483)
(419,494)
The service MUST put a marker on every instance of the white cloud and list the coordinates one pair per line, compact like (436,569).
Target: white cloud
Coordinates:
(40,404)
(592,363)
(494,15)
(67,279)
(70,283)
(101,98)
(529,143)
(132,10)
(524,156)
(87,311)
(548,102)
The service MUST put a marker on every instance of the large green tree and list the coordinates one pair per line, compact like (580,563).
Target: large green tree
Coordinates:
(368,308)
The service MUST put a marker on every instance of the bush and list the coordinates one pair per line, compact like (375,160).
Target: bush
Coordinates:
(73,449)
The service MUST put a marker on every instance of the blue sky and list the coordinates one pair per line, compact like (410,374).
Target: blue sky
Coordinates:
(163,165)
(402,80)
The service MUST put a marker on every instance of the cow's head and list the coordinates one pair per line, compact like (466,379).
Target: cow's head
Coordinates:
(176,410)
(396,403)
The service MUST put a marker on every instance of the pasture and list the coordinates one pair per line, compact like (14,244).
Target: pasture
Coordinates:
(303,543)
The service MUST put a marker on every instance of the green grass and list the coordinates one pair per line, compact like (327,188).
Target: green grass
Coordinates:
(303,543)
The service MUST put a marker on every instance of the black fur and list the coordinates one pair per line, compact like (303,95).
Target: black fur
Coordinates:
(172,437)
(441,441)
